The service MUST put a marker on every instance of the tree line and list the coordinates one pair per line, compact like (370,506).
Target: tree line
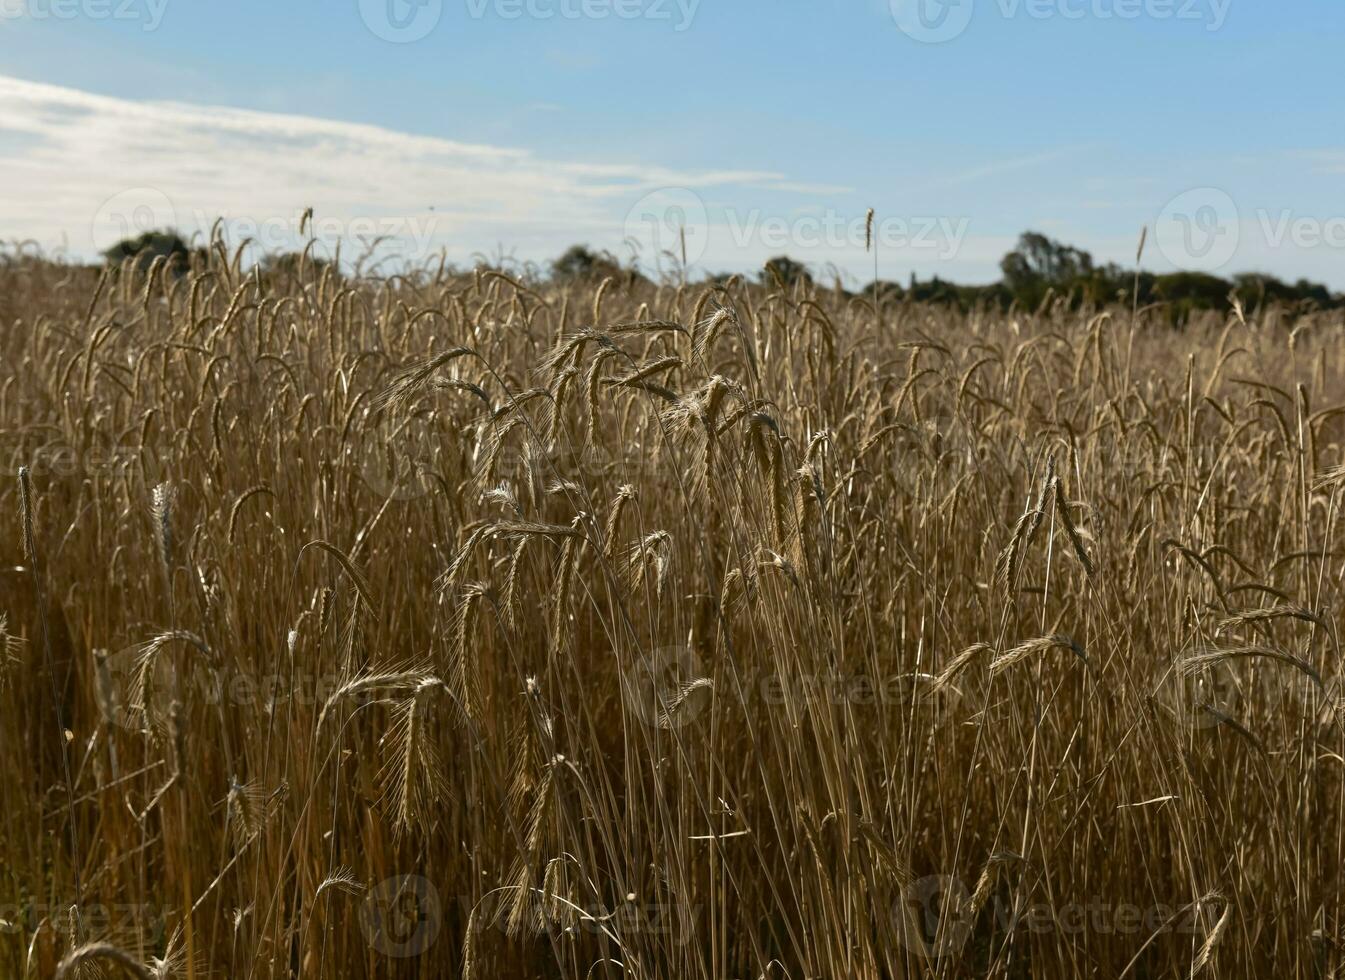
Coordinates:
(1038,270)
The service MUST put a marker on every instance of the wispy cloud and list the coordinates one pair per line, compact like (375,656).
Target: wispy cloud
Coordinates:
(1326,161)
(819,190)
(1000,167)
(82,168)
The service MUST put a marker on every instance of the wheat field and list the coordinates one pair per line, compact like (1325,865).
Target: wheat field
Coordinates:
(476,624)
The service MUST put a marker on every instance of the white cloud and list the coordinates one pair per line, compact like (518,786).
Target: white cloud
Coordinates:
(1326,161)
(83,170)
(79,168)
(998,168)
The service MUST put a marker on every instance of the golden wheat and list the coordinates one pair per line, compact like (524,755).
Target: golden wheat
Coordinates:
(374,627)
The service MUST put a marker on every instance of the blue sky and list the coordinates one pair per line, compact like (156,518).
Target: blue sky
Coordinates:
(761,126)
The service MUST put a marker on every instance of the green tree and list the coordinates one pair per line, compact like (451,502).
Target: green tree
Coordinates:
(580,263)
(786,271)
(148,246)
(1040,263)
(1255,289)
(1189,292)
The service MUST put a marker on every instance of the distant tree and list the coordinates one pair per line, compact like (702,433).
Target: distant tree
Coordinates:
(1104,284)
(884,290)
(1315,292)
(995,296)
(1255,289)
(148,246)
(581,263)
(1185,293)
(935,290)
(1040,264)
(786,271)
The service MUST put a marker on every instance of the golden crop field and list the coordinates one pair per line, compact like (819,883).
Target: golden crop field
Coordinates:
(478,624)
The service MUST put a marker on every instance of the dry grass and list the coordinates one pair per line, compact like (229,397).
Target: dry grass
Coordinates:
(457,623)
